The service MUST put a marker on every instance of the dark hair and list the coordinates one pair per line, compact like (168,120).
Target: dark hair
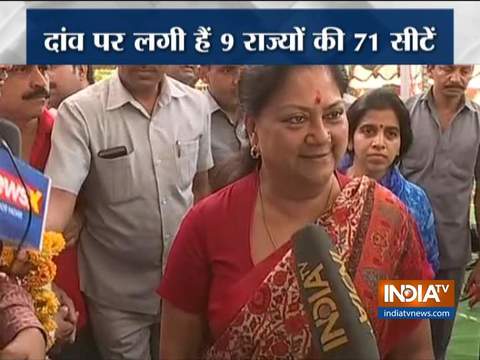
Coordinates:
(381,99)
(90,74)
(257,85)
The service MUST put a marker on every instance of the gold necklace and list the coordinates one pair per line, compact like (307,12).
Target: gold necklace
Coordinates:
(270,237)
(264,217)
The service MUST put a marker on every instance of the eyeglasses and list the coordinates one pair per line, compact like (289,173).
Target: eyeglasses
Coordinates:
(4,71)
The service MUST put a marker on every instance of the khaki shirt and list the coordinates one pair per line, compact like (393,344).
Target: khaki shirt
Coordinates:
(133,203)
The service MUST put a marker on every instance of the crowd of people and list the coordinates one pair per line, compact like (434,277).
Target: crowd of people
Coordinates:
(179,205)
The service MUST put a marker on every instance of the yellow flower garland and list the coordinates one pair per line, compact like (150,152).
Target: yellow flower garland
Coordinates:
(38,280)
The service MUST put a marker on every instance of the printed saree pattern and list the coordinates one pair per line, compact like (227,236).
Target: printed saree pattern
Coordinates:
(372,237)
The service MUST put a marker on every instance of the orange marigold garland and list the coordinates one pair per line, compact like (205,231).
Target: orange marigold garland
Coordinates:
(38,280)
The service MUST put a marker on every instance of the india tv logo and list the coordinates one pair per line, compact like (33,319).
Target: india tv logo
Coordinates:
(416,299)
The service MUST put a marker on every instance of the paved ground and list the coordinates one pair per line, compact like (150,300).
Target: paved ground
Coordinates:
(465,340)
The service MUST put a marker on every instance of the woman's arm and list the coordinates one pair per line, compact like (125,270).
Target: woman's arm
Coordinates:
(16,313)
(183,335)
(416,345)
(28,344)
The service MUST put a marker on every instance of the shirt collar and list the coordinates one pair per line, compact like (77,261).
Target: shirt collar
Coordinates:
(118,95)
(213,105)
(428,97)
(171,88)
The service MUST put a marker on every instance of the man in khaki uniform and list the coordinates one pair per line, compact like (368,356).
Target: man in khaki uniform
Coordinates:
(138,145)
(444,159)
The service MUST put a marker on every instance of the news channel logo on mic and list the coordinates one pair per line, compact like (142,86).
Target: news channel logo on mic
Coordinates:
(24,195)
(416,299)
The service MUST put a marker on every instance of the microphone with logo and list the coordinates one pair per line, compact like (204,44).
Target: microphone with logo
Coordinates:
(24,193)
(339,323)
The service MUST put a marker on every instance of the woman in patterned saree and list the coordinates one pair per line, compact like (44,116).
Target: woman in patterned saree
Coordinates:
(229,289)
(379,134)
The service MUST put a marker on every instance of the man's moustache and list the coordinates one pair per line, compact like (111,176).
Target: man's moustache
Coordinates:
(455,86)
(35,95)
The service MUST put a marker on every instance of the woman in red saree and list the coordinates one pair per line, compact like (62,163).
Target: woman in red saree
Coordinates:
(230,290)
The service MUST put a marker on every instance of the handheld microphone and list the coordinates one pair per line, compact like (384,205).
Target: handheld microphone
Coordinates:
(10,133)
(339,323)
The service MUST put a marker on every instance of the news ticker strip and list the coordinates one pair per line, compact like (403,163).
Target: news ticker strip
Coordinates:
(229,36)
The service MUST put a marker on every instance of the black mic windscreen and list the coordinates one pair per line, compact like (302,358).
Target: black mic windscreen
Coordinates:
(12,136)
(339,323)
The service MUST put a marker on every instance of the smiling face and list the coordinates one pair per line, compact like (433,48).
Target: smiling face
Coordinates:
(376,143)
(302,131)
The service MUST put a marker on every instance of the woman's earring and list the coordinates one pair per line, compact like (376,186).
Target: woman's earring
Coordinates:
(254,152)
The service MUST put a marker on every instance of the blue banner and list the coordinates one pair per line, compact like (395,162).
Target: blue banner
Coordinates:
(14,202)
(229,36)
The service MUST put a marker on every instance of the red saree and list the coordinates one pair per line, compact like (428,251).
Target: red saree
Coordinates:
(262,316)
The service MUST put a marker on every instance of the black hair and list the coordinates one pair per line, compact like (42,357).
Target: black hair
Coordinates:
(381,99)
(257,85)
